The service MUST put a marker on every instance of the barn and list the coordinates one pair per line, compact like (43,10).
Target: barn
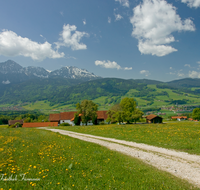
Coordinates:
(153,119)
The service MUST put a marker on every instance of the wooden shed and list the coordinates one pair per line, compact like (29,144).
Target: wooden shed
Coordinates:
(153,119)
(12,122)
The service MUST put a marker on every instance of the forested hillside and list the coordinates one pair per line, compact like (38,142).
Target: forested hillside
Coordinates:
(104,92)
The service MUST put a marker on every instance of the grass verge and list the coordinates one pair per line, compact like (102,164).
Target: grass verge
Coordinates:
(61,162)
(182,136)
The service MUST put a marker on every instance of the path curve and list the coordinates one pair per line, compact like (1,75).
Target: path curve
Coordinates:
(180,164)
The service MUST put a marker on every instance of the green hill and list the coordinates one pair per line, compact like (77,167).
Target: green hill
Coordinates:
(65,93)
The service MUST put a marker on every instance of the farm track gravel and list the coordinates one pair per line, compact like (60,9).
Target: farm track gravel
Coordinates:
(180,164)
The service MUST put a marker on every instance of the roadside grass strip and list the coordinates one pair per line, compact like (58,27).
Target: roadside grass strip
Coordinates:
(179,164)
(183,136)
(40,159)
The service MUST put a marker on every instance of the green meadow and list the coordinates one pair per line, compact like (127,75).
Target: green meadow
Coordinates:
(182,136)
(38,159)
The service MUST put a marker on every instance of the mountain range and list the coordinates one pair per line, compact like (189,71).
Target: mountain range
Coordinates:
(12,72)
(69,85)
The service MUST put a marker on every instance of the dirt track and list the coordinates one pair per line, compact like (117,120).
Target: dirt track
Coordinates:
(180,164)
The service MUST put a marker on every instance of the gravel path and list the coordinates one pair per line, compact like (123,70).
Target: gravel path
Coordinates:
(180,164)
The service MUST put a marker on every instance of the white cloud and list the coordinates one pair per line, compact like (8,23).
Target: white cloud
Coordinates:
(13,45)
(6,82)
(118,17)
(180,74)
(84,21)
(198,62)
(170,68)
(194,74)
(145,72)
(124,3)
(110,65)
(187,65)
(68,39)
(128,68)
(153,22)
(192,3)
(109,20)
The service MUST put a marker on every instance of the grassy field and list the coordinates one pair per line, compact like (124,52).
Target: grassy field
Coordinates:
(3,126)
(183,136)
(38,159)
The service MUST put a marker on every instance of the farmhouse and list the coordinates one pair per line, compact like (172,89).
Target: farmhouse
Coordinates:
(65,117)
(12,122)
(68,117)
(54,117)
(153,119)
(179,118)
(101,116)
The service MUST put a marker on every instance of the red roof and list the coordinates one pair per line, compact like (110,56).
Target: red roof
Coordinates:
(54,117)
(151,116)
(70,116)
(67,115)
(179,117)
(102,115)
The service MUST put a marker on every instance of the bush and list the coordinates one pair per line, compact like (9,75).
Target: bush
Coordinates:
(15,125)
(64,124)
(102,123)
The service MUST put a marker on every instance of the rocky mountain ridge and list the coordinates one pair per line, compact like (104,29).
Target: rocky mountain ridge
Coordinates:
(12,72)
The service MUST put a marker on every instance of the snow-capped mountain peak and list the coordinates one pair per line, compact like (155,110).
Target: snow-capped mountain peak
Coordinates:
(13,72)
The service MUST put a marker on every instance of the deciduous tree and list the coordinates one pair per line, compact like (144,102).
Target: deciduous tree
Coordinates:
(196,114)
(87,109)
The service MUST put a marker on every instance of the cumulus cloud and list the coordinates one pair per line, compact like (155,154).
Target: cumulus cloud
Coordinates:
(170,68)
(192,3)
(109,20)
(124,3)
(145,72)
(194,74)
(128,68)
(68,39)
(187,65)
(118,17)
(153,22)
(180,73)
(198,62)
(13,45)
(84,21)
(110,65)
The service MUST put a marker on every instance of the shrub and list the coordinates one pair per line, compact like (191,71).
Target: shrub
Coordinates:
(102,123)
(64,124)
(14,126)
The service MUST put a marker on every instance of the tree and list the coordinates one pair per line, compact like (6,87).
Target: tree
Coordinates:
(196,114)
(76,119)
(87,109)
(128,106)
(112,113)
(137,115)
(119,116)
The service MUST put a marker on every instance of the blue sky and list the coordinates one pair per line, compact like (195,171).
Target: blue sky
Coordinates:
(153,39)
